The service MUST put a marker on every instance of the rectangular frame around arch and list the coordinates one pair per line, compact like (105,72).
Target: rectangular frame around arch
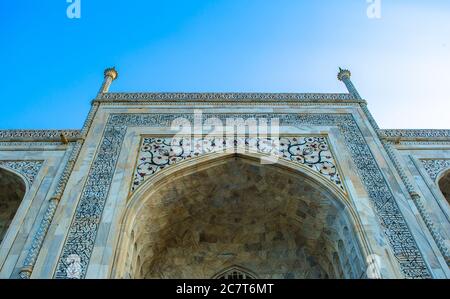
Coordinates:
(95,192)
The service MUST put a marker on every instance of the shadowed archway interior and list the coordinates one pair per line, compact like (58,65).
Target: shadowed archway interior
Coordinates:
(12,190)
(275,222)
(444,185)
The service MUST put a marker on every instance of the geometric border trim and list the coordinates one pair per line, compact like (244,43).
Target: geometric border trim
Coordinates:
(85,223)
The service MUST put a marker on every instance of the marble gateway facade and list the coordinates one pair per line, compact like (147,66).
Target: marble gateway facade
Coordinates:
(310,188)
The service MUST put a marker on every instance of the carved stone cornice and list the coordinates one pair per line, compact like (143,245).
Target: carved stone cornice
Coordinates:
(38,135)
(415,135)
(229,103)
(226,97)
(431,142)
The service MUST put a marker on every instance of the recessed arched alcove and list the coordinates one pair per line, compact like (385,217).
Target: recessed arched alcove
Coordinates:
(235,272)
(444,185)
(274,221)
(12,191)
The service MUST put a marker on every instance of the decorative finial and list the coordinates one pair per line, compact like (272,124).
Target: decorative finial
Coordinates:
(110,75)
(111,72)
(343,74)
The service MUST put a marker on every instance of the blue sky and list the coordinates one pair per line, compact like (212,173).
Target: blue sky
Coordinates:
(52,66)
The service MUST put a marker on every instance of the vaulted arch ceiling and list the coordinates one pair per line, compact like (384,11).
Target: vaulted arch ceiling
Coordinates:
(274,222)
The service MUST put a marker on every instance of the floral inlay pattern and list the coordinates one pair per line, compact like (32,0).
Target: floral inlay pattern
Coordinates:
(158,153)
(435,167)
(29,169)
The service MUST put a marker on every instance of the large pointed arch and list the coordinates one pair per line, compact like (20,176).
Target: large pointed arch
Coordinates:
(147,192)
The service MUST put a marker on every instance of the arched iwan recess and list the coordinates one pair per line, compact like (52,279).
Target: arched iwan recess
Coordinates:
(273,220)
(12,191)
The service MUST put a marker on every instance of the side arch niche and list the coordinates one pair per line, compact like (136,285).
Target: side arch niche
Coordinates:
(439,172)
(444,184)
(12,191)
(193,220)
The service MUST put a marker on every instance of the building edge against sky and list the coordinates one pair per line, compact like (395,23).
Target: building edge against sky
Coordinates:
(84,189)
